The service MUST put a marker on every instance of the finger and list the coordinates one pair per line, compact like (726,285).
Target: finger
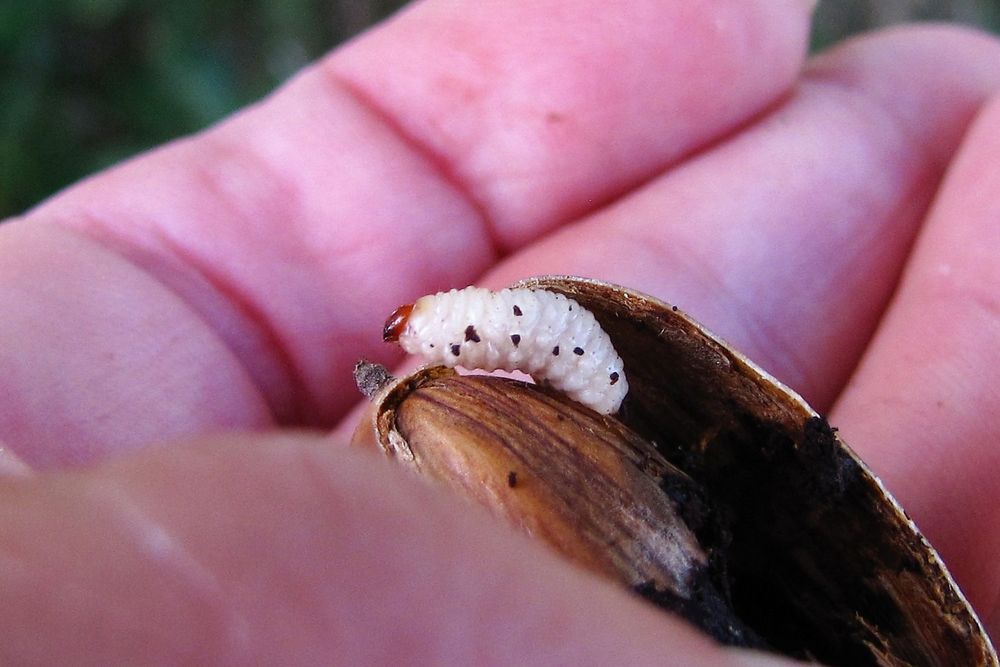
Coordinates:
(292,229)
(285,550)
(922,407)
(788,239)
(97,357)
(541,110)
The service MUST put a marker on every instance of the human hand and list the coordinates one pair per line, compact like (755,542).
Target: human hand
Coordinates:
(230,281)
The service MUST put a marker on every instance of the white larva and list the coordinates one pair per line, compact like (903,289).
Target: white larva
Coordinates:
(544,334)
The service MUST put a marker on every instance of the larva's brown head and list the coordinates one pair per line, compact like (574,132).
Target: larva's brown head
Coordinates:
(396,323)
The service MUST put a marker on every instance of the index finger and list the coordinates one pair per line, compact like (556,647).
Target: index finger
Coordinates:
(405,162)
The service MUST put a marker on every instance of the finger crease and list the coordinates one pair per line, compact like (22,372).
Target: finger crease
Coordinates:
(441,165)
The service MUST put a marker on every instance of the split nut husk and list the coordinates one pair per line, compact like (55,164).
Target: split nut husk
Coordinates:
(716,492)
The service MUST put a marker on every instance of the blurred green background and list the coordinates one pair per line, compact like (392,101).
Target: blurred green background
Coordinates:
(85,83)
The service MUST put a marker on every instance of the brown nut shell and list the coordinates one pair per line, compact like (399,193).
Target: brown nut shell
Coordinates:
(582,483)
(819,559)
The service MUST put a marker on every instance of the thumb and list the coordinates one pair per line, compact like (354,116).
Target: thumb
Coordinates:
(286,549)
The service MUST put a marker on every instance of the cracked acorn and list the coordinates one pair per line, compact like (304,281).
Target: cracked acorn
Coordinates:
(715,492)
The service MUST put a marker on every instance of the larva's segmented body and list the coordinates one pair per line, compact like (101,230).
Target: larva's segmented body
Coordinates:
(544,334)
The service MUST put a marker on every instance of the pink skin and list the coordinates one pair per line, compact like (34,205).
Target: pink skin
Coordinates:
(229,282)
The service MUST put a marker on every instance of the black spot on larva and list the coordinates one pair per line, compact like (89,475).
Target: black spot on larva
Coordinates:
(555,351)
(516,339)
(571,306)
(512,479)
(456,348)
(432,344)
(517,310)
(578,351)
(614,378)
(673,308)
(470,334)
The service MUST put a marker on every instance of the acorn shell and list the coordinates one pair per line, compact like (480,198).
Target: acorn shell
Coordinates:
(822,561)
(823,544)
